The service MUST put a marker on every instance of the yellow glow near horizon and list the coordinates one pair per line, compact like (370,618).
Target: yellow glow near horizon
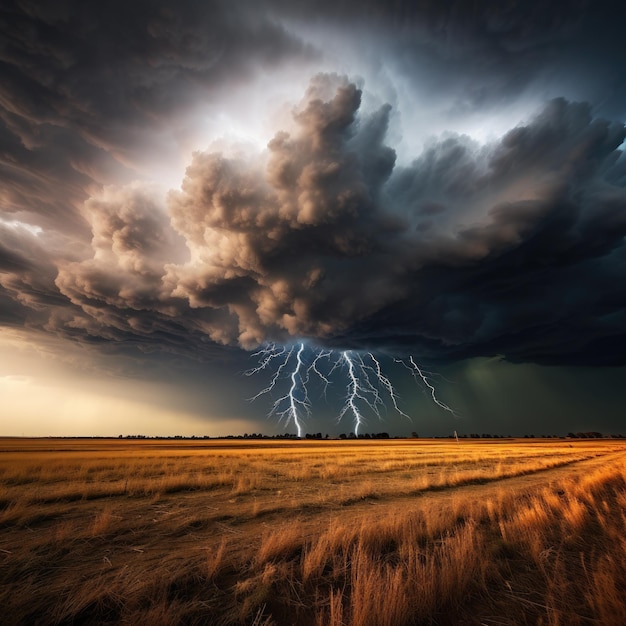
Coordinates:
(32,408)
(42,395)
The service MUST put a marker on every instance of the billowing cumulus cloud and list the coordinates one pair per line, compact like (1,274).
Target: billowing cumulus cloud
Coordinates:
(285,241)
(471,250)
(508,248)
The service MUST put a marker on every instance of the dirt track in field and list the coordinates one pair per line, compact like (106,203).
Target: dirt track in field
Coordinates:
(360,511)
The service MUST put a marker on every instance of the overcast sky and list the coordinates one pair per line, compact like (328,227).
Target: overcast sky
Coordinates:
(184,182)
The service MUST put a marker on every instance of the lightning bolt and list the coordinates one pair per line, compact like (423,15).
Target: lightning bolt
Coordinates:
(387,384)
(318,356)
(296,400)
(422,375)
(267,354)
(354,392)
(368,388)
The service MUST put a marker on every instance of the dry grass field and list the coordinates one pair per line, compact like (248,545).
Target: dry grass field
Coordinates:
(353,533)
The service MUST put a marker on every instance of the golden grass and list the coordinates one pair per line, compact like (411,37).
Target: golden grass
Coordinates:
(349,533)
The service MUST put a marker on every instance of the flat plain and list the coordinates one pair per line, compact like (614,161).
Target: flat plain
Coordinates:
(353,533)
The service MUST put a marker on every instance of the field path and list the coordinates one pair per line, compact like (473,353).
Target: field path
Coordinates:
(313,520)
(523,484)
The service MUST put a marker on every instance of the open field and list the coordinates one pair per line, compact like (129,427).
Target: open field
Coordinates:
(364,532)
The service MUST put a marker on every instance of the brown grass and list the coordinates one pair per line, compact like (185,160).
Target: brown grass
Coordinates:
(337,533)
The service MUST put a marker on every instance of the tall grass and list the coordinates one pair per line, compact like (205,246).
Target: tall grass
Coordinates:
(394,533)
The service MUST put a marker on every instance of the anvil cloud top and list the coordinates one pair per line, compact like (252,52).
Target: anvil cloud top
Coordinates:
(183,180)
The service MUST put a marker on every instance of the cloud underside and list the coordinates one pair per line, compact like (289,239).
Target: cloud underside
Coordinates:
(513,248)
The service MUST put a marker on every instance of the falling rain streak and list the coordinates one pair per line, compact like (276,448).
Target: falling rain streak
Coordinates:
(367,388)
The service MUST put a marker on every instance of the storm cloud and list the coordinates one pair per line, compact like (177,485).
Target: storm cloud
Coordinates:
(372,219)
(512,248)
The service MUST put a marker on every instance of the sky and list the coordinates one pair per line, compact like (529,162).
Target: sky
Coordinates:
(194,190)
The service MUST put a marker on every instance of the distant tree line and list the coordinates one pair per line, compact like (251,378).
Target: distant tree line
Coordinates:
(365,436)
(383,435)
(589,435)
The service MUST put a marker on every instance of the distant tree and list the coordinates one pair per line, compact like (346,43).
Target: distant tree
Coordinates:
(342,436)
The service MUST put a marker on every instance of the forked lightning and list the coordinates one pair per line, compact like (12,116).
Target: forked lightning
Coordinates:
(367,388)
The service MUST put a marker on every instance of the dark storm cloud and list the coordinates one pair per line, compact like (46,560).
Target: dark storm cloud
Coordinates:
(27,270)
(532,276)
(514,247)
(478,57)
(536,274)
(321,238)
(492,46)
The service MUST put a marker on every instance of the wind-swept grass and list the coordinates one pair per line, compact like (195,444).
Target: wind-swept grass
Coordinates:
(351,533)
